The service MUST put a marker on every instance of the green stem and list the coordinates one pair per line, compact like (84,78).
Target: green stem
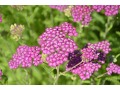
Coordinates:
(49,72)
(14,74)
(93,82)
(108,26)
(57,76)
(103,82)
(101,75)
(63,73)
(27,77)
(117,55)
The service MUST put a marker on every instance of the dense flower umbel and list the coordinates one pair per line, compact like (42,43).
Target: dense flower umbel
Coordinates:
(98,8)
(82,13)
(113,68)
(89,59)
(96,51)
(54,39)
(89,54)
(68,29)
(103,46)
(16,31)
(26,56)
(59,7)
(85,70)
(109,10)
(59,53)
(1,74)
(55,44)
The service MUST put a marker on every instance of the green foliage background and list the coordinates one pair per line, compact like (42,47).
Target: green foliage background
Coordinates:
(36,19)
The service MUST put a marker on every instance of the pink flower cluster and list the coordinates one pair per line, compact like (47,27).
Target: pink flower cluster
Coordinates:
(96,51)
(98,8)
(113,68)
(68,29)
(109,10)
(82,13)
(26,56)
(1,74)
(55,44)
(60,53)
(103,46)
(59,7)
(85,70)
(89,54)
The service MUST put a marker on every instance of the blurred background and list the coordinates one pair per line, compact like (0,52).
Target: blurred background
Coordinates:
(35,20)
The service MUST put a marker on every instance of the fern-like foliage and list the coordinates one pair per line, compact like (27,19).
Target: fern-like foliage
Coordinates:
(113,79)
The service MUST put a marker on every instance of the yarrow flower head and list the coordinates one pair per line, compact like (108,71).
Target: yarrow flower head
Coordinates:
(89,54)
(68,29)
(16,31)
(59,7)
(103,46)
(82,13)
(88,58)
(85,70)
(1,74)
(56,45)
(98,8)
(113,68)
(25,56)
(96,51)
(109,10)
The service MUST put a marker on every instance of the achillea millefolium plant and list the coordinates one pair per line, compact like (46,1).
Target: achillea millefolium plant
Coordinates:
(60,44)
